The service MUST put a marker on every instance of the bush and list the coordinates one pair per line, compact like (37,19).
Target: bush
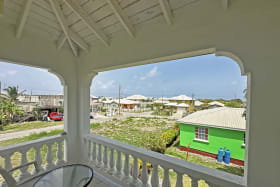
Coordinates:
(159,142)
(169,136)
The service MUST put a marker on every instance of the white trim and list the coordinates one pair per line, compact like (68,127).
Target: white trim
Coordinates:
(200,140)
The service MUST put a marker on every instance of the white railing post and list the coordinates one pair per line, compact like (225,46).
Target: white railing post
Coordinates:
(144,174)
(59,154)
(105,158)
(154,179)
(99,157)
(94,153)
(166,181)
(135,172)
(112,161)
(38,158)
(49,156)
(89,150)
(119,164)
(179,181)
(7,162)
(194,181)
(126,178)
(24,170)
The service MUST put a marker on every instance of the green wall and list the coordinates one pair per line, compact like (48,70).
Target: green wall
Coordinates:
(217,138)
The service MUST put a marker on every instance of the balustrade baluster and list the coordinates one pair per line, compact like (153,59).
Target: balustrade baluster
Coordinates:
(24,170)
(99,157)
(105,158)
(154,179)
(94,153)
(166,181)
(7,162)
(179,181)
(119,164)
(194,181)
(59,154)
(135,172)
(49,156)
(126,178)
(7,166)
(144,174)
(38,159)
(112,161)
(89,150)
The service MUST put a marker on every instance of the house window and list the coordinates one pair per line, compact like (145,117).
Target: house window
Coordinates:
(201,133)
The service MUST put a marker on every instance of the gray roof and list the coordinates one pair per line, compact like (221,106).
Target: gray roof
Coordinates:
(223,117)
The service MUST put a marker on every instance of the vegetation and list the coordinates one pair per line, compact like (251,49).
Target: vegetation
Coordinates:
(237,170)
(8,111)
(28,125)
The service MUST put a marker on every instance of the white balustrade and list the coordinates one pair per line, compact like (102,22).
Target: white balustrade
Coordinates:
(23,149)
(133,154)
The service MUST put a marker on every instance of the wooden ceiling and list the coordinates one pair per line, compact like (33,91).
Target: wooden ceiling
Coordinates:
(78,24)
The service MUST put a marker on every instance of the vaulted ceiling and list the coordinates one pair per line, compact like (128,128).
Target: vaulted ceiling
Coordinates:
(79,24)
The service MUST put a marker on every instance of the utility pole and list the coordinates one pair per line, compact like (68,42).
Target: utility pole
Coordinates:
(0,88)
(192,102)
(119,100)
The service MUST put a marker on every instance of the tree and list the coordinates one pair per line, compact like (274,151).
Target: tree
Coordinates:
(13,93)
(8,110)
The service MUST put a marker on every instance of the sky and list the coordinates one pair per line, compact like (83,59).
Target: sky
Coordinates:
(205,76)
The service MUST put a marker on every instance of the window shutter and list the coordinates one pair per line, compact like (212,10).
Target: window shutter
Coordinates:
(196,132)
(206,133)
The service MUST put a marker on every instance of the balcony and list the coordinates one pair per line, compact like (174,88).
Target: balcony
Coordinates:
(75,41)
(116,164)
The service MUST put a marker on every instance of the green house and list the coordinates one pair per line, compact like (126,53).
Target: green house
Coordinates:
(205,131)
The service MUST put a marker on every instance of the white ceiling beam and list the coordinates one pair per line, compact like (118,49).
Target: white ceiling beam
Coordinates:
(122,17)
(90,23)
(23,17)
(61,40)
(166,10)
(225,4)
(69,34)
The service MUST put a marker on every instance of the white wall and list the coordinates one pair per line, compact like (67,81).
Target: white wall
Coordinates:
(248,29)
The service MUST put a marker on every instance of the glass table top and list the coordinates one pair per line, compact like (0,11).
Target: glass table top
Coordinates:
(75,175)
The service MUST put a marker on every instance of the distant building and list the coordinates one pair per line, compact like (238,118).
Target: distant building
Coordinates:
(44,102)
(215,104)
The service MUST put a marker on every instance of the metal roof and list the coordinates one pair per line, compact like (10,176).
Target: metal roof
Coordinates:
(137,97)
(216,103)
(181,98)
(223,117)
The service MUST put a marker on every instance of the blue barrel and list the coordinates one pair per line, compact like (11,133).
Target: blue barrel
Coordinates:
(227,156)
(220,155)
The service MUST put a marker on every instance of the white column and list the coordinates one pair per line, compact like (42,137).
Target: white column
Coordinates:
(77,103)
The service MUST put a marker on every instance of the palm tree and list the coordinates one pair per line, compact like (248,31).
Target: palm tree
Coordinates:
(13,93)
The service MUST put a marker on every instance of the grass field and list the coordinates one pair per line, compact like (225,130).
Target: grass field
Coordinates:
(130,130)
(28,125)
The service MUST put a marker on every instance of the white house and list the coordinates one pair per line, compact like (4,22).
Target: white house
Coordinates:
(77,39)
(215,104)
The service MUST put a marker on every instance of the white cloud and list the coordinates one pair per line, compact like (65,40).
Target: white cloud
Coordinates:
(106,85)
(11,72)
(150,74)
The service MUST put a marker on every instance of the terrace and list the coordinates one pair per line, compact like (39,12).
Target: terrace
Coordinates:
(75,41)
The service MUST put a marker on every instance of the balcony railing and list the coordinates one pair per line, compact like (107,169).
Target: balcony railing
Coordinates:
(54,147)
(107,156)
